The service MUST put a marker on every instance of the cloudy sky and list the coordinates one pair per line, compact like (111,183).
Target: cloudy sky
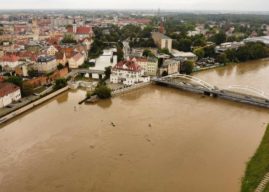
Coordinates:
(232,5)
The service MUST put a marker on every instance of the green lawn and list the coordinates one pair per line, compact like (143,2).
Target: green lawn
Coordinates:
(258,166)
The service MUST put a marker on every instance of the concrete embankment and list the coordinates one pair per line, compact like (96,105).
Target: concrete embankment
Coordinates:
(117,92)
(31,105)
(128,89)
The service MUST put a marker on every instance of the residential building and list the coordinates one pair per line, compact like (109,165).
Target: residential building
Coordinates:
(75,61)
(52,50)
(22,70)
(162,41)
(8,94)
(61,58)
(128,72)
(262,39)
(46,64)
(170,66)
(9,61)
(228,45)
(150,65)
(184,56)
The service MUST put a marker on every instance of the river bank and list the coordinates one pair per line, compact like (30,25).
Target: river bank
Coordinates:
(30,105)
(257,167)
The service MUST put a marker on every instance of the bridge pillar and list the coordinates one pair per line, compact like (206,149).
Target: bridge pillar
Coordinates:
(207,93)
(214,95)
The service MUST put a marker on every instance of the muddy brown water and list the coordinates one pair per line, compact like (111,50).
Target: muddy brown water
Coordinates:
(154,139)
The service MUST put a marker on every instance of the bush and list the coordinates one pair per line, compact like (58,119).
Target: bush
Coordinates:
(60,83)
(102,91)
(187,67)
(15,80)
(60,66)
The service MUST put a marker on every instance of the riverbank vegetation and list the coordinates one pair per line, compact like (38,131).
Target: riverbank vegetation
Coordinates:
(258,166)
(102,91)
(60,83)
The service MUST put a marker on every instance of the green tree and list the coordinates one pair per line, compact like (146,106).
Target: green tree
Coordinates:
(198,41)
(27,89)
(219,38)
(164,51)
(33,73)
(231,55)
(60,83)
(102,91)
(120,53)
(15,80)
(187,67)
(184,45)
(148,53)
(199,52)
(60,66)
(68,39)
(107,72)
(209,51)
(222,58)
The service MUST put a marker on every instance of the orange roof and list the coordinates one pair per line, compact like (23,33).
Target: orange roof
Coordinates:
(10,58)
(7,88)
(129,65)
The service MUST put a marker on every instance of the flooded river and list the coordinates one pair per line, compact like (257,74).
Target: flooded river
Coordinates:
(155,139)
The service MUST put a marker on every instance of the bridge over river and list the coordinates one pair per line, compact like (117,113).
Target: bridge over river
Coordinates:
(236,93)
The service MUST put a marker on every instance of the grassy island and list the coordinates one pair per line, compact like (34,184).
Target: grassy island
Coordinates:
(257,167)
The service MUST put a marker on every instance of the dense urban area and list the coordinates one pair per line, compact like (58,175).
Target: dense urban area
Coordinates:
(107,53)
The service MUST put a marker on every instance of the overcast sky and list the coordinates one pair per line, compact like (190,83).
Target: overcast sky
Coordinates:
(232,5)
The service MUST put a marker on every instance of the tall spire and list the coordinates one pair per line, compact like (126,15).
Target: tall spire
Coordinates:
(161,28)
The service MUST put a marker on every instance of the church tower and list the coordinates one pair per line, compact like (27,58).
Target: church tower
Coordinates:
(74,27)
(161,28)
(35,30)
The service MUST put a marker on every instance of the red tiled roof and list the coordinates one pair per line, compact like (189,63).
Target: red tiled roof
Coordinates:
(129,65)
(7,88)
(80,30)
(69,52)
(10,58)
(59,55)
(84,30)
(28,55)
(141,59)
(77,56)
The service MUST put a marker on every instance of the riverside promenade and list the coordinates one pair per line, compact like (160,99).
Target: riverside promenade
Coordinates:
(32,103)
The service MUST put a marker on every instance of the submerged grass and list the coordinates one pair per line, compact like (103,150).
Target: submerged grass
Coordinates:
(258,166)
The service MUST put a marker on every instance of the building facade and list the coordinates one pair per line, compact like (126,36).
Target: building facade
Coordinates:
(8,94)
(162,41)
(150,65)
(128,72)
(75,61)
(46,64)
(169,67)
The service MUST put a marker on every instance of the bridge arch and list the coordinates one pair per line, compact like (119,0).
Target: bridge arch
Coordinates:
(255,91)
(190,78)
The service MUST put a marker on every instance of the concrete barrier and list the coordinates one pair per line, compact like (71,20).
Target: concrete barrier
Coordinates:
(131,88)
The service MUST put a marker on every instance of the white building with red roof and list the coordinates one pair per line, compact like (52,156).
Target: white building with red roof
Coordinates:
(9,61)
(8,94)
(128,72)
